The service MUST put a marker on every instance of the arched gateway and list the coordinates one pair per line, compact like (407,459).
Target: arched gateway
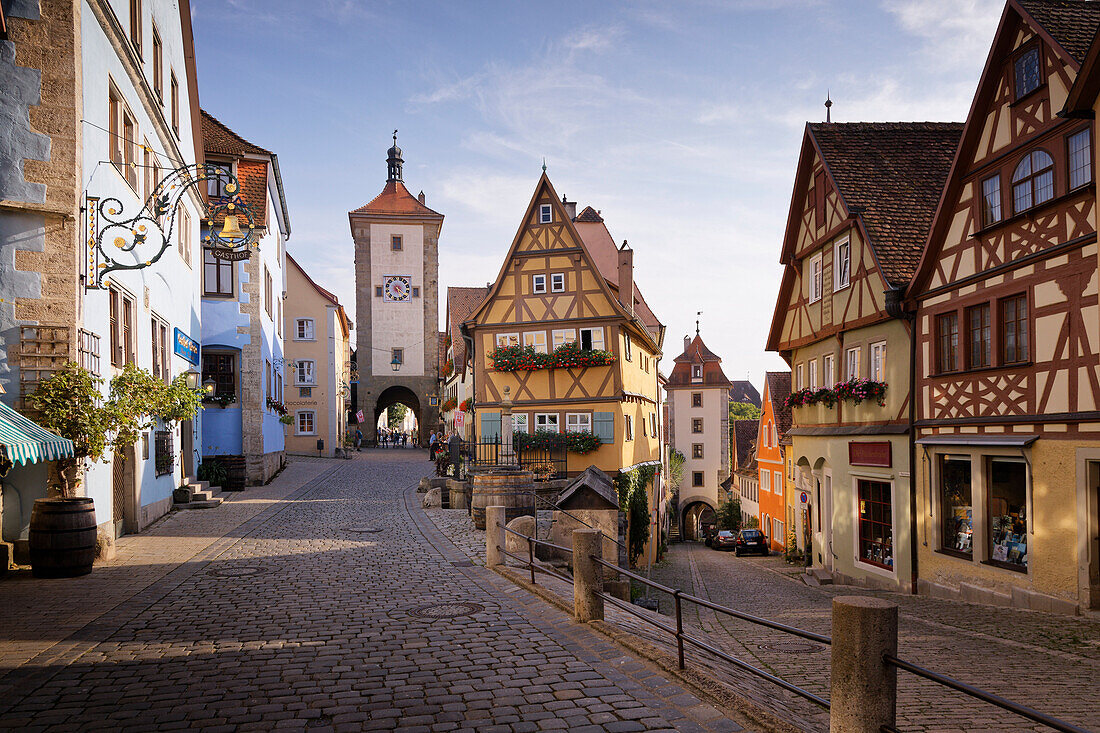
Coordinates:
(397,301)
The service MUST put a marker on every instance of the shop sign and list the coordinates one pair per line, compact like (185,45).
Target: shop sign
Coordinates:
(186,347)
(234,255)
(875,454)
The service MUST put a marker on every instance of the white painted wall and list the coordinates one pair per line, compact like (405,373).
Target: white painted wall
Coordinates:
(170,288)
(392,323)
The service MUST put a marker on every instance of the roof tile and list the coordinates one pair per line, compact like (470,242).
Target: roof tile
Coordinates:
(1072,23)
(894,172)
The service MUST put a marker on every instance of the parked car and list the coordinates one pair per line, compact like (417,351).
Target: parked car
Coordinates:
(724,540)
(750,540)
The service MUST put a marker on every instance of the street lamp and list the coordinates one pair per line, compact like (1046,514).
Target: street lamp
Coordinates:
(193,378)
(395,363)
(208,386)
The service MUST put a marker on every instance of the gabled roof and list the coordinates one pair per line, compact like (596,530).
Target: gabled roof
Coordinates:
(744,438)
(605,254)
(441,355)
(893,173)
(341,313)
(599,487)
(395,200)
(743,391)
(595,243)
(778,389)
(1086,87)
(1070,23)
(461,303)
(697,352)
(217,138)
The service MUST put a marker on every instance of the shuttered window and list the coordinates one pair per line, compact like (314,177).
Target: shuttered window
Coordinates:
(490,425)
(603,425)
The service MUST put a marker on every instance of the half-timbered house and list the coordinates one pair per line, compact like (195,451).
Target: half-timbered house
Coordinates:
(864,196)
(1008,389)
(565,288)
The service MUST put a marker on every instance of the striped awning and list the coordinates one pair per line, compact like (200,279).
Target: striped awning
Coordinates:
(27,442)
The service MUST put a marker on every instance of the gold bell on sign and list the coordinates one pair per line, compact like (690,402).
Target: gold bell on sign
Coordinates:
(230,228)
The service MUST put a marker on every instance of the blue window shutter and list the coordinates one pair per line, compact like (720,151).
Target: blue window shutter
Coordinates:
(490,425)
(603,425)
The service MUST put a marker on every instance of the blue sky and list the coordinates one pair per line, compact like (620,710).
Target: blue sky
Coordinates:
(680,121)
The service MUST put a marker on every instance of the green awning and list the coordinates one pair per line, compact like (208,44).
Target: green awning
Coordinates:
(27,442)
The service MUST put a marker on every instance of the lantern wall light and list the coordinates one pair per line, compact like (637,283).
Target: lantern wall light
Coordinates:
(116,242)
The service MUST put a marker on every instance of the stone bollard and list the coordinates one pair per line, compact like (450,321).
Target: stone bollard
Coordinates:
(587,575)
(494,536)
(863,688)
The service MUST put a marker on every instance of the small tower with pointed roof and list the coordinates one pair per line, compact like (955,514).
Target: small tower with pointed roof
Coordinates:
(397,301)
(698,397)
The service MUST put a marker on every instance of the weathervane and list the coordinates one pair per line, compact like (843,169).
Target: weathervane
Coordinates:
(697,314)
(143,236)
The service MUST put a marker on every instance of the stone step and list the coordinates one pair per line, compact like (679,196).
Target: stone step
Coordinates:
(199,485)
(201,495)
(203,504)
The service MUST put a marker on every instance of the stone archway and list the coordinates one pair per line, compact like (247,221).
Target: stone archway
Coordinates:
(399,394)
(694,517)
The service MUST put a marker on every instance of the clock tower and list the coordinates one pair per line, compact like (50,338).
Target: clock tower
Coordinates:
(397,301)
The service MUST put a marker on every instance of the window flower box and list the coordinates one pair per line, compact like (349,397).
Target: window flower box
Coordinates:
(853,390)
(566,356)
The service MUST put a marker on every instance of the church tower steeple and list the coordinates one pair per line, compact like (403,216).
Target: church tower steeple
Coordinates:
(394,161)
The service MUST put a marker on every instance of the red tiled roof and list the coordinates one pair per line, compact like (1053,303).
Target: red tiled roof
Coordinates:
(697,353)
(894,172)
(1072,23)
(461,303)
(744,437)
(589,215)
(441,355)
(220,140)
(743,391)
(323,293)
(605,254)
(779,388)
(395,200)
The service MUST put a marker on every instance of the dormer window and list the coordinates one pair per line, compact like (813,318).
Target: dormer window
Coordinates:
(696,372)
(1033,181)
(545,214)
(1028,75)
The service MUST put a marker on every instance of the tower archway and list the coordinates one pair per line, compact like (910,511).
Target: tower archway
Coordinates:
(400,394)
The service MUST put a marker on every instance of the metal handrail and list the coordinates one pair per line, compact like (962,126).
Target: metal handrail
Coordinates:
(681,637)
(537,541)
(569,514)
(980,694)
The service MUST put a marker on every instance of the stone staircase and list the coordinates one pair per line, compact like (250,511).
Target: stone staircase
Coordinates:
(674,533)
(817,577)
(196,495)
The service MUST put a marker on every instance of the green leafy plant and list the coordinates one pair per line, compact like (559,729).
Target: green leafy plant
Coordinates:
(675,469)
(582,442)
(632,487)
(179,402)
(136,397)
(286,419)
(213,472)
(729,515)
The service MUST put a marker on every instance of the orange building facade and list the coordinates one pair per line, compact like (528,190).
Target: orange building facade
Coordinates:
(775,419)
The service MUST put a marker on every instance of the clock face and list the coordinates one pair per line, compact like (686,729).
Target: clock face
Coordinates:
(397,288)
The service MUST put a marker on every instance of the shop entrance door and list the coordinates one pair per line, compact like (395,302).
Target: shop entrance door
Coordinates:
(123,501)
(187,449)
(1093,529)
(827,520)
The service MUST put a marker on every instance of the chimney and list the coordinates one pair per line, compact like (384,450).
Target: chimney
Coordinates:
(570,208)
(420,198)
(687,343)
(626,277)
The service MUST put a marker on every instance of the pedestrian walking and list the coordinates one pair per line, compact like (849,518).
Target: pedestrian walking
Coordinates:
(431,447)
(358,440)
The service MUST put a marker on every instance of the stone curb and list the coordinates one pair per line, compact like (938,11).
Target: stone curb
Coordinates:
(717,694)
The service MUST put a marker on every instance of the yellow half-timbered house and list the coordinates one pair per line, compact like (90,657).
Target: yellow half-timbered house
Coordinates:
(564,281)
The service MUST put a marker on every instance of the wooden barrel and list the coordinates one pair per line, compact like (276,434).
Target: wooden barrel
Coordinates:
(236,472)
(512,490)
(62,537)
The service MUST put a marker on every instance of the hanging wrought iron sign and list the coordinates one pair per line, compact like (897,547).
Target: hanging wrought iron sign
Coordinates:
(117,242)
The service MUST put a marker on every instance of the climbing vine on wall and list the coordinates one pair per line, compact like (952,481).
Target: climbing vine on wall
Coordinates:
(634,500)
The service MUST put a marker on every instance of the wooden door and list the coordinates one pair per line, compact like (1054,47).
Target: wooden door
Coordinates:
(123,499)
(187,449)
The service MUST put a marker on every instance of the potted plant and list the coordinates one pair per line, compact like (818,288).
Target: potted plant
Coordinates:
(71,404)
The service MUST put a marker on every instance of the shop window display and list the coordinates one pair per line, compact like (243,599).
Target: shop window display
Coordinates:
(876,533)
(955,501)
(1008,513)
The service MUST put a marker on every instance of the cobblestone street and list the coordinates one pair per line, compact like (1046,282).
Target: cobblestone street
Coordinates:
(325,600)
(1047,661)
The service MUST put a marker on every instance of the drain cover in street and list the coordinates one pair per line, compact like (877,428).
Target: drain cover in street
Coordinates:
(446,610)
(241,571)
(362,530)
(792,647)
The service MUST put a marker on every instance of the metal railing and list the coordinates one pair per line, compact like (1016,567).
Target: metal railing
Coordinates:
(545,463)
(980,694)
(683,638)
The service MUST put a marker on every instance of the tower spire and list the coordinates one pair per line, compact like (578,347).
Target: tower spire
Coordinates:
(697,314)
(828,106)
(394,161)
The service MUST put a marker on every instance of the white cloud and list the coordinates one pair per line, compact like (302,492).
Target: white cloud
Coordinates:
(955,33)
